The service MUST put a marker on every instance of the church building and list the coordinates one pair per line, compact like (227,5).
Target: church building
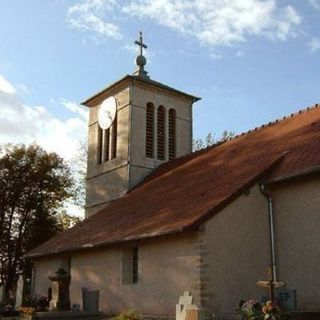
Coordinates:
(161,219)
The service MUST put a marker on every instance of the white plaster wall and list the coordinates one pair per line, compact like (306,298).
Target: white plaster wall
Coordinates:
(235,253)
(167,267)
(297,213)
(235,247)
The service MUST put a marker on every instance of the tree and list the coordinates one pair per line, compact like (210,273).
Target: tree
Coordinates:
(33,186)
(78,165)
(209,140)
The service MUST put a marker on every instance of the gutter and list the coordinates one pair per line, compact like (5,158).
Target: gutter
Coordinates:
(271,232)
(298,174)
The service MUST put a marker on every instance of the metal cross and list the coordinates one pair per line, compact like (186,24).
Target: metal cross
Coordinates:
(140,43)
(271,285)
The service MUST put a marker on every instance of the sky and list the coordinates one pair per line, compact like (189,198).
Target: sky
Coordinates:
(251,61)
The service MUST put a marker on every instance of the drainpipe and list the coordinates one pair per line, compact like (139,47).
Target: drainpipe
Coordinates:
(271,232)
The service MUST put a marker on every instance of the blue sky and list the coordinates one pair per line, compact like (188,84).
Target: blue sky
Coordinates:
(251,61)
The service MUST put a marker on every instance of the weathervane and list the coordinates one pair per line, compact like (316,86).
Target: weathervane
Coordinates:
(141,60)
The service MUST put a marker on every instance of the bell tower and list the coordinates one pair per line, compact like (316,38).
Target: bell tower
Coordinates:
(135,124)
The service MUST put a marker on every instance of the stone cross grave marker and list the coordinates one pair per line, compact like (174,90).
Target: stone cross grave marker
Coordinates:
(19,293)
(186,310)
(184,300)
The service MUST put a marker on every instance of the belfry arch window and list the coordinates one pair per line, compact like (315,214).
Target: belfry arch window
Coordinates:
(99,145)
(114,129)
(150,130)
(161,132)
(172,134)
(107,142)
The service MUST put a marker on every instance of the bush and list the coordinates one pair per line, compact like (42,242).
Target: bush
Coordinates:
(27,310)
(39,303)
(128,315)
(8,311)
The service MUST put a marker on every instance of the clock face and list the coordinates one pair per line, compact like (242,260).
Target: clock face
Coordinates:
(107,112)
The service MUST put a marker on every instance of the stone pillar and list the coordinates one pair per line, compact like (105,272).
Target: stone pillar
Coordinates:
(19,292)
(60,300)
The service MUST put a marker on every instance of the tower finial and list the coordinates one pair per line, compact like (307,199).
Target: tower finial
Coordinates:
(141,60)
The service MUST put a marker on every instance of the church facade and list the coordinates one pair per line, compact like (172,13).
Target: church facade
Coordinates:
(161,220)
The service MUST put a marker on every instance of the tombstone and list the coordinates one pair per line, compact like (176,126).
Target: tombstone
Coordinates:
(287,298)
(60,300)
(1,293)
(186,310)
(90,300)
(19,292)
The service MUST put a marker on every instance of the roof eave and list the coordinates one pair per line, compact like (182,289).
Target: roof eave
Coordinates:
(148,81)
(105,244)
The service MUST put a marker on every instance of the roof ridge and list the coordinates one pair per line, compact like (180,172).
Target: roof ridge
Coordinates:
(277,121)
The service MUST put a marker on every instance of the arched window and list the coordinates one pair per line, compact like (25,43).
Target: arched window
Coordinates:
(99,145)
(161,133)
(149,130)
(106,144)
(172,134)
(114,137)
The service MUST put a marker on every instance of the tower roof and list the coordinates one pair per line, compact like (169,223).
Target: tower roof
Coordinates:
(132,79)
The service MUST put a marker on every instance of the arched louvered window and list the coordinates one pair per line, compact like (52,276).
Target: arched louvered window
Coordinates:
(106,145)
(149,130)
(161,133)
(172,134)
(114,137)
(99,145)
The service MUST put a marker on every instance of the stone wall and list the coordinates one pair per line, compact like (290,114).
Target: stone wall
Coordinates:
(112,179)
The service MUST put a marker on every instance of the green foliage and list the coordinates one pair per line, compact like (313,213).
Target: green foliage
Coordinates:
(209,140)
(128,315)
(66,221)
(33,186)
(78,165)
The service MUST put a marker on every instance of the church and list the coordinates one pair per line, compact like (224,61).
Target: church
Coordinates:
(161,219)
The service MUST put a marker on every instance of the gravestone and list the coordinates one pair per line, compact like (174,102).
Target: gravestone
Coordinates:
(19,292)
(60,282)
(90,300)
(287,298)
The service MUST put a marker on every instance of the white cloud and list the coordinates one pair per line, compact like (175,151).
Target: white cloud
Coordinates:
(5,86)
(21,123)
(219,22)
(89,16)
(75,108)
(314,44)
(315,4)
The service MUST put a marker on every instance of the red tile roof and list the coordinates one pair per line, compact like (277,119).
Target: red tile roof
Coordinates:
(183,193)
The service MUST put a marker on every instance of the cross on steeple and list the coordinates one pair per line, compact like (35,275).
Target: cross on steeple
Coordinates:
(140,43)
(141,60)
